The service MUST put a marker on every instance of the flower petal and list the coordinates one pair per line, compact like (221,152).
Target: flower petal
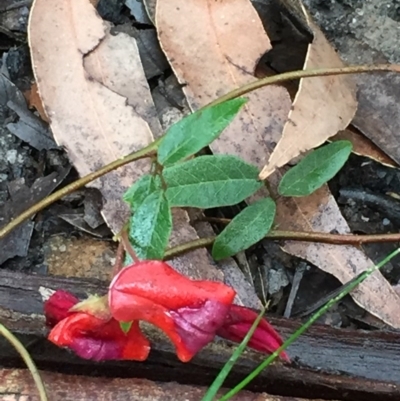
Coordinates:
(57,307)
(96,339)
(128,307)
(188,311)
(190,329)
(159,282)
(198,326)
(237,325)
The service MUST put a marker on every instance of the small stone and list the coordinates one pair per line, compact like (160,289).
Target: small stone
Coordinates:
(11,156)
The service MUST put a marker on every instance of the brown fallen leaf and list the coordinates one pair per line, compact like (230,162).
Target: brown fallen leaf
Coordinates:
(92,122)
(224,59)
(322,106)
(362,146)
(320,212)
(100,107)
(223,62)
(34,101)
(153,59)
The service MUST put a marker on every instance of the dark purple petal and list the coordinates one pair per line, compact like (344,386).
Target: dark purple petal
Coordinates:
(197,326)
(238,323)
(96,349)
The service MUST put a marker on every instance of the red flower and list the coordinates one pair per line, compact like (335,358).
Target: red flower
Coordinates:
(188,311)
(92,337)
(237,325)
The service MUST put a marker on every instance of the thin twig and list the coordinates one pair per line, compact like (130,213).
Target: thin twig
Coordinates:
(292,75)
(127,246)
(335,239)
(119,259)
(27,359)
(304,236)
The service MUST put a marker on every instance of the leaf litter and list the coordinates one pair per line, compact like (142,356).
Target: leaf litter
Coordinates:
(225,60)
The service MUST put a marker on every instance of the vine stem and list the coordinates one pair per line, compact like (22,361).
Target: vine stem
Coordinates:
(27,359)
(305,236)
(150,150)
(292,75)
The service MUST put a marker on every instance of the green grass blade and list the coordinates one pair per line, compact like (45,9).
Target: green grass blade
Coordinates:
(347,289)
(219,380)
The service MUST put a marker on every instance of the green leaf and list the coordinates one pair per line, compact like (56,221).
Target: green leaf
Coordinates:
(194,132)
(315,169)
(125,326)
(246,229)
(210,181)
(138,192)
(150,226)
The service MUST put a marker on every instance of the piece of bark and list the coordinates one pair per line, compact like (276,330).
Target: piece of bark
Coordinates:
(328,362)
(17,384)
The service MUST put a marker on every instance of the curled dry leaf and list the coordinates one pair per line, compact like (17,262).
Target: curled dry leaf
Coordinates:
(224,59)
(322,106)
(34,101)
(362,146)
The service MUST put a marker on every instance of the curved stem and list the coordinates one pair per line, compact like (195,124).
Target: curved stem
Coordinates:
(292,75)
(141,154)
(335,239)
(128,247)
(177,250)
(305,236)
(27,359)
